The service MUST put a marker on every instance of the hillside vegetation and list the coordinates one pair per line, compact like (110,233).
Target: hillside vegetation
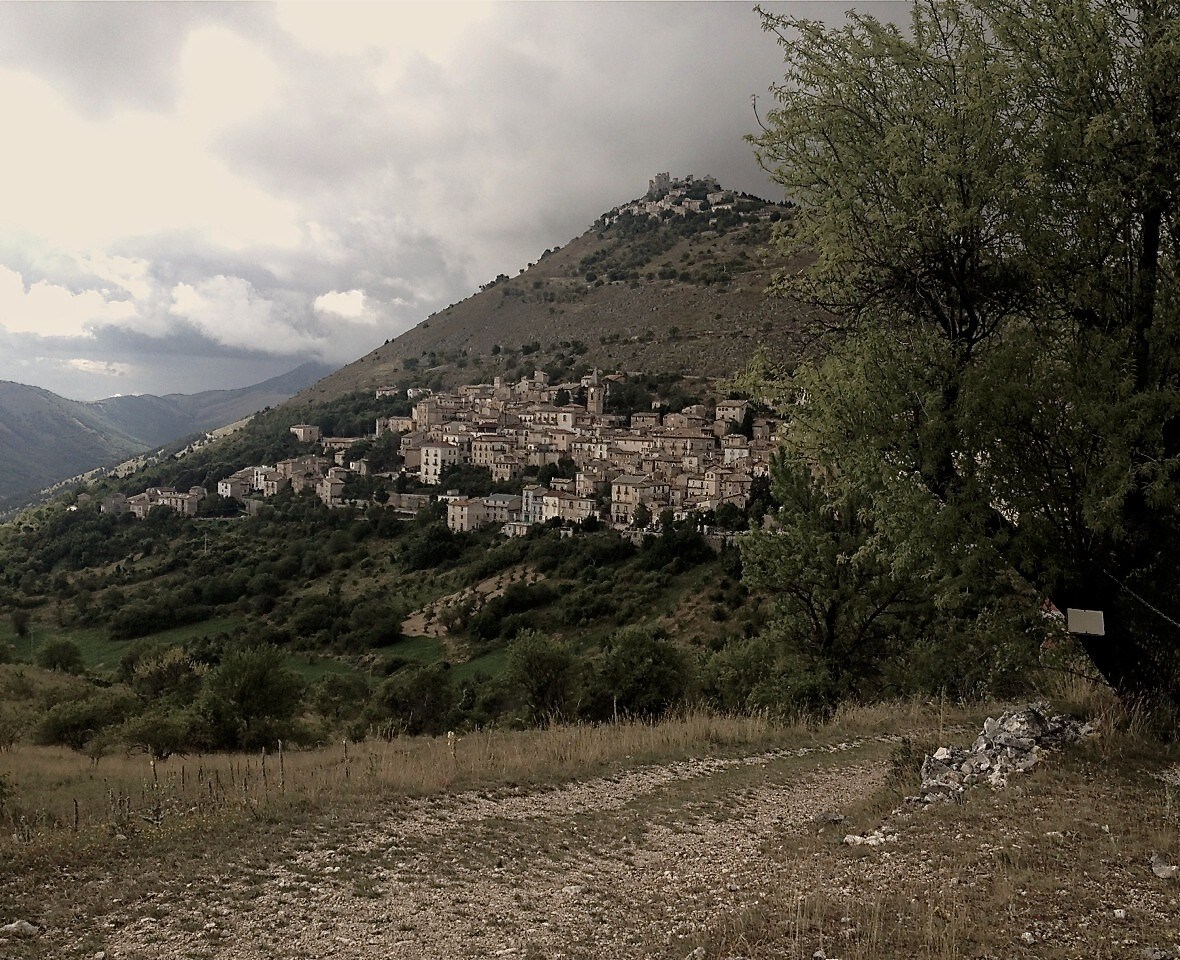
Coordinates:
(356,621)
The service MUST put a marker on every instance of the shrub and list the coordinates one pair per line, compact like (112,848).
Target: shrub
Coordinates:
(416,700)
(640,674)
(251,700)
(61,655)
(75,723)
(160,732)
(543,672)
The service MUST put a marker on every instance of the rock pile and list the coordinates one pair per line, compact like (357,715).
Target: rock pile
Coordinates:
(1011,744)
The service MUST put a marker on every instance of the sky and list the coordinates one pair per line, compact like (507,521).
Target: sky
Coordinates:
(200,196)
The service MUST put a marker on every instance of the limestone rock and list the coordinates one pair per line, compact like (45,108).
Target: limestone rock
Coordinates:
(1012,743)
(19,928)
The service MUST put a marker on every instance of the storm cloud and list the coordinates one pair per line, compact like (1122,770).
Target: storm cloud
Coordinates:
(199,196)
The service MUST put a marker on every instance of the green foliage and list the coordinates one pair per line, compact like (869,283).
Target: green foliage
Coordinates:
(161,731)
(543,672)
(74,723)
(252,699)
(502,617)
(839,602)
(163,673)
(340,696)
(565,468)
(215,505)
(384,453)
(468,479)
(990,199)
(729,517)
(639,674)
(415,700)
(678,547)
(63,655)
(430,546)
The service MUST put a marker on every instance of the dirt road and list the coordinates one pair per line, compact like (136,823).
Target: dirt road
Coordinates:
(634,865)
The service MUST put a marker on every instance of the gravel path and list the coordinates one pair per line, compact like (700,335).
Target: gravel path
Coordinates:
(624,866)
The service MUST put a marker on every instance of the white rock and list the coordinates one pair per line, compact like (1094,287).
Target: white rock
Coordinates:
(1120,914)
(20,928)
(1162,869)
(1027,937)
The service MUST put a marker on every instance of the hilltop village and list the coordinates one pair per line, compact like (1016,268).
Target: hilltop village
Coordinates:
(623,471)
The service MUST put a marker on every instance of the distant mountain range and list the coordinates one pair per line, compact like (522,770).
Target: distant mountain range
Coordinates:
(45,438)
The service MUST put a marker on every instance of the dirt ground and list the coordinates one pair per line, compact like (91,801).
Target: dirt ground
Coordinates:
(725,859)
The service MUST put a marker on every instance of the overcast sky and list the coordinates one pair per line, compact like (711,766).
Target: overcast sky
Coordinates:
(201,196)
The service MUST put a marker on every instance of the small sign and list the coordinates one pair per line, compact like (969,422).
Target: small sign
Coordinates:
(1085,621)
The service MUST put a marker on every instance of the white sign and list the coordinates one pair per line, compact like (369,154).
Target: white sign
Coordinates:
(1085,621)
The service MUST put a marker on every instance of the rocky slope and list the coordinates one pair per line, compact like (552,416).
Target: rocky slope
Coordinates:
(684,295)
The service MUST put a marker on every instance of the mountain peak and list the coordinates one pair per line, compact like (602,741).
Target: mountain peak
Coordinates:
(673,282)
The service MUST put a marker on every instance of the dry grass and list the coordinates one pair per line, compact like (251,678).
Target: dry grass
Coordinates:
(55,792)
(1055,866)
(1038,869)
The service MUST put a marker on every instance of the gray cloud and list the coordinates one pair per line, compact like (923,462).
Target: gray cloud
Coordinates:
(103,54)
(411,180)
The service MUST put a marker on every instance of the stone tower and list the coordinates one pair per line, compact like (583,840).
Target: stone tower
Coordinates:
(595,395)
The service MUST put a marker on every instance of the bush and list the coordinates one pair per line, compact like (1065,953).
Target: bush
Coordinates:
(251,700)
(640,674)
(543,672)
(64,656)
(75,723)
(160,732)
(340,696)
(416,700)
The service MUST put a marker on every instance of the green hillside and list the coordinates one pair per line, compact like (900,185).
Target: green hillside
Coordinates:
(45,439)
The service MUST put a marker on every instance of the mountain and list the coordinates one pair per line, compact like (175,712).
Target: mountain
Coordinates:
(45,438)
(157,420)
(676,290)
(670,285)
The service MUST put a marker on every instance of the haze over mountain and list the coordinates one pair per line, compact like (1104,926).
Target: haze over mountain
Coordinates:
(45,438)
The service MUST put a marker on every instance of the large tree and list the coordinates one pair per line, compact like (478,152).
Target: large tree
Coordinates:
(990,199)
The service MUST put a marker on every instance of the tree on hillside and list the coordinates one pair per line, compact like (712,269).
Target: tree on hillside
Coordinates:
(990,199)
(252,699)
(61,655)
(544,672)
(20,622)
(641,673)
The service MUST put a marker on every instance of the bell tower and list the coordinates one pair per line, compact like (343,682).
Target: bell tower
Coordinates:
(595,395)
